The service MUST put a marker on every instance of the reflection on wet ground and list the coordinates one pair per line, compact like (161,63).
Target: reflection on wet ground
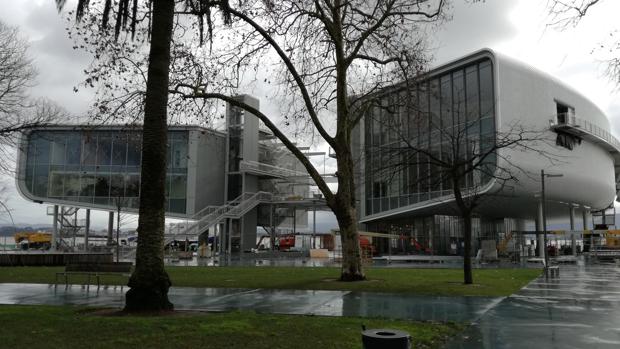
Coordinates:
(581,309)
(301,302)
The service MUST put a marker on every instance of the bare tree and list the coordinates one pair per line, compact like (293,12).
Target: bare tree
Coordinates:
(569,13)
(443,140)
(566,13)
(149,283)
(19,112)
(321,59)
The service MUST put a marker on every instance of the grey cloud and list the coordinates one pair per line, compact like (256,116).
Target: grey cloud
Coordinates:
(473,26)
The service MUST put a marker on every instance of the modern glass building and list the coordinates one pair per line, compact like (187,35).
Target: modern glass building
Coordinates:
(454,106)
(100,167)
(230,182)
(458,110)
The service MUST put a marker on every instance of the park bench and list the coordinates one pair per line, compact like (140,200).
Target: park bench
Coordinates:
(96,270)
(554,271)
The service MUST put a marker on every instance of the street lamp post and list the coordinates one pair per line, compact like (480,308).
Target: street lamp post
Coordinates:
(544,217)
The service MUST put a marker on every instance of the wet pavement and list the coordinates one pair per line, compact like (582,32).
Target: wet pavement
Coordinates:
(299,302)
(581,309)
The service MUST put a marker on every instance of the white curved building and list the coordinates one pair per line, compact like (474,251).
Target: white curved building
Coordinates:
(480,97)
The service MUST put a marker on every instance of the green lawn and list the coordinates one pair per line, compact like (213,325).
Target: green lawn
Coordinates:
(70,327)
(488,282)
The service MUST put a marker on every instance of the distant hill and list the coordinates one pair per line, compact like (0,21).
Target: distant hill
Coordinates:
(9,230)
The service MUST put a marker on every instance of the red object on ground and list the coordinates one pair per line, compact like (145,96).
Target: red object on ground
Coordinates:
(286,242)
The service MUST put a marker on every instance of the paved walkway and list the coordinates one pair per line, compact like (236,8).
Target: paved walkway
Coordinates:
(581,309)
(328,303)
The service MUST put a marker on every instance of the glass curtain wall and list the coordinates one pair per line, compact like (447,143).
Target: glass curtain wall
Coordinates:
(451,112)
(441,235)
(100,167)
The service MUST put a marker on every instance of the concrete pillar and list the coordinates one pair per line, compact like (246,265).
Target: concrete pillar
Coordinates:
(54,246)
(248,230)
(86,230)
(539,229)
(520,226)
(313,225)
(573,241)
(584,214)
(229,238)
(110,228)
(75,223)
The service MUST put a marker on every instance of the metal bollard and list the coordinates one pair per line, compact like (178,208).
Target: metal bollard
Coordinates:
(385,339)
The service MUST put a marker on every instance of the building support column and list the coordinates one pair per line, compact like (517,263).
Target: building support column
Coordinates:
(584,215)
(75,229)
(539,230)
(313,225)
(272,227)
(217,239)
(573,240)
(520,227)
(110,228)
(229,237)
(86,229)
(294,220)
(54,245)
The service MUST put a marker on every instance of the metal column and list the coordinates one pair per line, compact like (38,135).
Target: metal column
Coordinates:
(54,246)
(584,215)
(110,228)
(86,230)
(313,225)
(539,229)
(75,223)
(573,240)
(294,220)
(229,238)
(272,228)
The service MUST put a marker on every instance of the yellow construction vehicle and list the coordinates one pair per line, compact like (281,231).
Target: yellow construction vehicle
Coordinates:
(33,239)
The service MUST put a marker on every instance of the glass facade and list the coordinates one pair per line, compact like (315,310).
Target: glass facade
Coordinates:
(450,116)
(437,234)
(100,167)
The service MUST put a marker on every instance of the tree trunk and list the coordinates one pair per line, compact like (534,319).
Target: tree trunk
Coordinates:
(349,238)
(467,275)
(149,282)
(465,211)
(346,214)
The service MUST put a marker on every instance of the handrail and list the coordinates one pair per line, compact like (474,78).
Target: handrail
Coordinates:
(587,126)
(200,213)
(233,209)
(271,169)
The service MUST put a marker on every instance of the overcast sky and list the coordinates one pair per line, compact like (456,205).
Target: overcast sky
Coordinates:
(514,27)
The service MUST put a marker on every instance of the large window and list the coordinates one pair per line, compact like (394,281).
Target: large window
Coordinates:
(100,167)
(455,105)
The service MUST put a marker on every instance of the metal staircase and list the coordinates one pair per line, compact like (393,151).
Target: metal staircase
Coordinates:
(68,228)
(269,171)
(212,215)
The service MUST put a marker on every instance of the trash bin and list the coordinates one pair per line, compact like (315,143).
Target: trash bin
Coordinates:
(386,339)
